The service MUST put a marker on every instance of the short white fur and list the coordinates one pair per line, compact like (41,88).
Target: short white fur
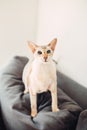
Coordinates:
(40,75)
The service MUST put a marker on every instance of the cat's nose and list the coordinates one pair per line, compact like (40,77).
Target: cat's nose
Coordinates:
(45,58)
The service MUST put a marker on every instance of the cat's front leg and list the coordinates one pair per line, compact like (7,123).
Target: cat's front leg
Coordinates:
(53,90)
(26,85)
(33,100)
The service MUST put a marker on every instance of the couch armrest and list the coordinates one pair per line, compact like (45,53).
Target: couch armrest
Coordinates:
(73,89)
(82,122)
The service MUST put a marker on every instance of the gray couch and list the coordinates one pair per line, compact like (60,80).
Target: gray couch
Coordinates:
(15,106)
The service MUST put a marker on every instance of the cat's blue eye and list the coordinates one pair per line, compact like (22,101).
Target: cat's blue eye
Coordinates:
(39,52)
(48,51)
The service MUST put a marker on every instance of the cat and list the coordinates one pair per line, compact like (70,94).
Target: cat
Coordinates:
(40,75)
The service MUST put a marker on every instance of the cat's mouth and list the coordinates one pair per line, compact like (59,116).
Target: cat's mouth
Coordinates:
(44,60)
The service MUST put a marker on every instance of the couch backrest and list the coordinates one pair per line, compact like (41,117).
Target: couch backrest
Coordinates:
(76,91)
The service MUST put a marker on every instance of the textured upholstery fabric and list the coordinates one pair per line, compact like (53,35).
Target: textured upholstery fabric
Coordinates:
(73,89)
(15,106)
(2,126)
(82,122)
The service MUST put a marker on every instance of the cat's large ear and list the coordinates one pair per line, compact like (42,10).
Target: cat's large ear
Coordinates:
(52,44)
(32,46)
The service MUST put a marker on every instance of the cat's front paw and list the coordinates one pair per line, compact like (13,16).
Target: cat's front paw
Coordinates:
(33,113)
(58,109)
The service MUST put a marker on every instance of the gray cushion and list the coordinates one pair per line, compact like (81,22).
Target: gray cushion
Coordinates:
(15,106)
(2,126)
(73,89)
(82,122)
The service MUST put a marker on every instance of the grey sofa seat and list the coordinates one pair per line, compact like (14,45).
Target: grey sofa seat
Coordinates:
(15,105)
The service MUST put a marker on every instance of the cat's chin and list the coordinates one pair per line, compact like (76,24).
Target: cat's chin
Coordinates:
(44,62)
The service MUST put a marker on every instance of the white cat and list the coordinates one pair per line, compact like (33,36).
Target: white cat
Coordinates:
(40,75)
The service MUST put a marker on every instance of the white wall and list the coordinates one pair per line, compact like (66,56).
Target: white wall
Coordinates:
(66,20)
(18,23)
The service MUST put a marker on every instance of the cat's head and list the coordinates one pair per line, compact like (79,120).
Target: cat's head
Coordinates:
(43,53)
